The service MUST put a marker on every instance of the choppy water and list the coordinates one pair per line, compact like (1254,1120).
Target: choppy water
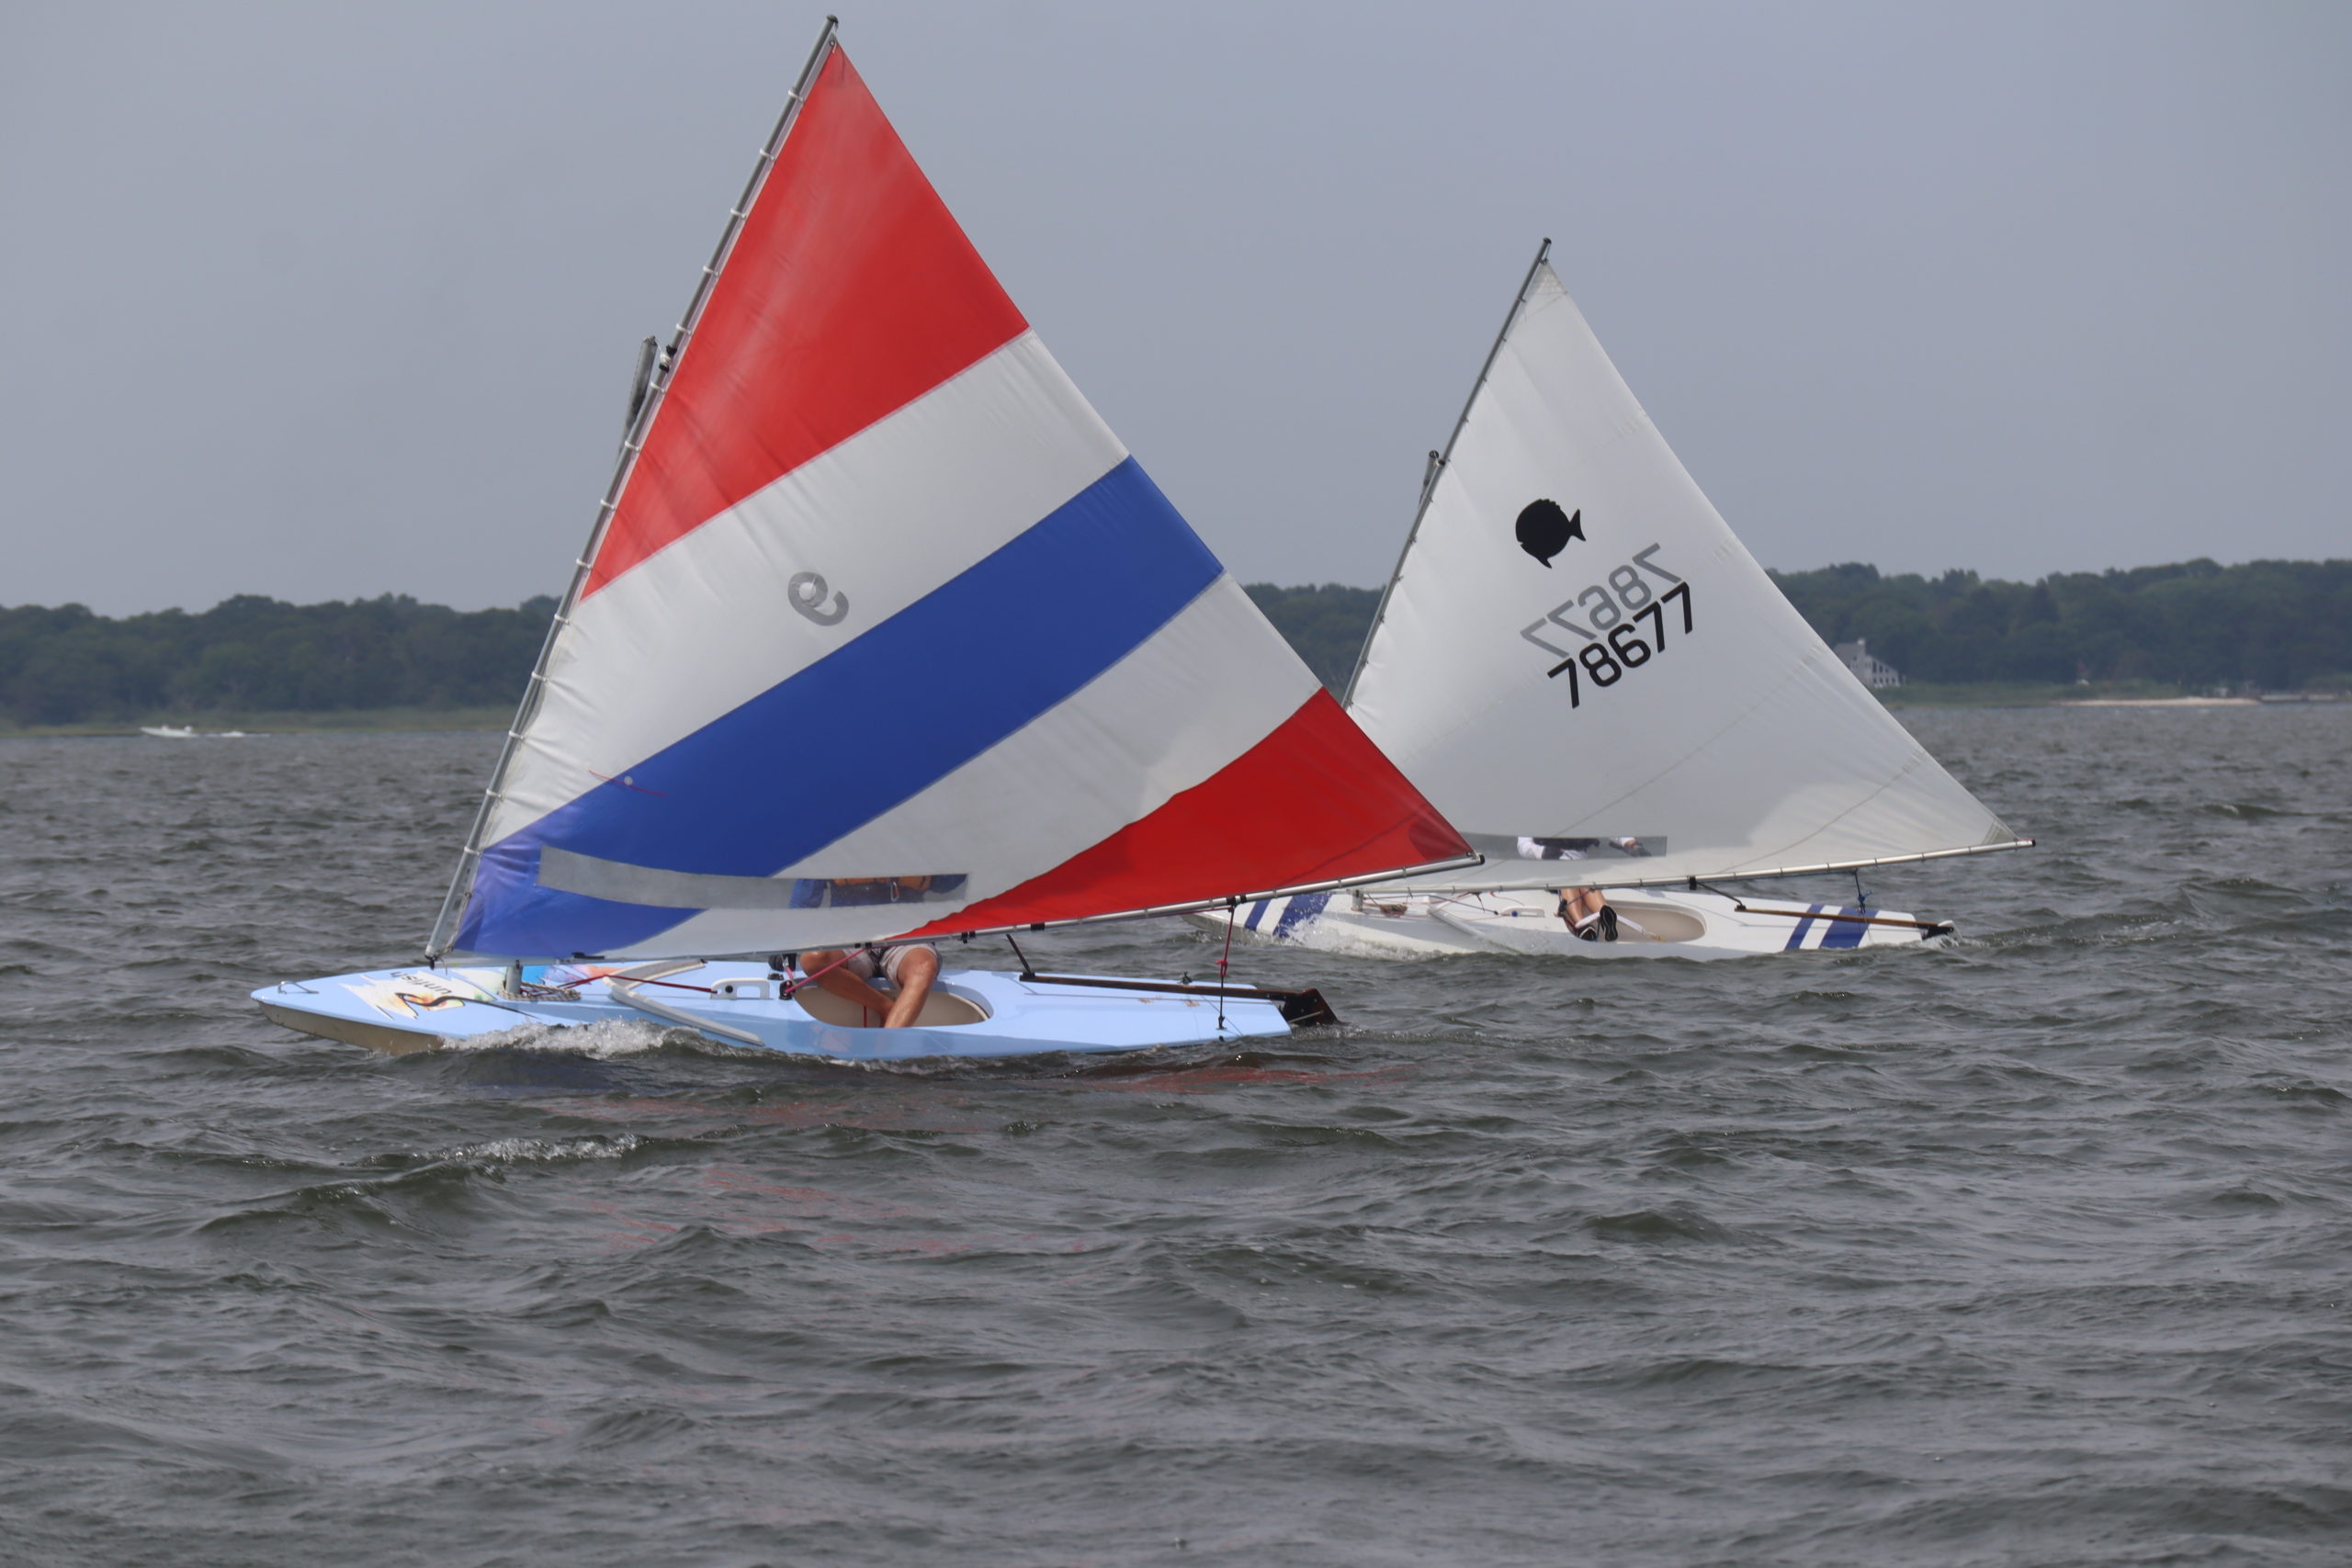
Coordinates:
(2035,1251)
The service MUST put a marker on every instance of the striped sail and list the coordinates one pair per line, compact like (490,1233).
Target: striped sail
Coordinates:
(885,633)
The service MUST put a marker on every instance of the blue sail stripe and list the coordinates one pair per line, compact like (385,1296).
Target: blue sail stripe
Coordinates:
(884,718)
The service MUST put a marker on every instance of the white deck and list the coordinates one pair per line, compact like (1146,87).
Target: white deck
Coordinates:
(1652,924)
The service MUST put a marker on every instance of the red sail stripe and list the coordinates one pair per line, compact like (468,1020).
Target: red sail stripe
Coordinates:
(851,292)
(1314,801)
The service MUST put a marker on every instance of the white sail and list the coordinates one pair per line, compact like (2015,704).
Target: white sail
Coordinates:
(1577,659)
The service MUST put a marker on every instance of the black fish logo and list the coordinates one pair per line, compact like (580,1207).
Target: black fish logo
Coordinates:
(1544,530)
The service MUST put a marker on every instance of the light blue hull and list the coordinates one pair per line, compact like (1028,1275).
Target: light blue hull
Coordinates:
(973,1013)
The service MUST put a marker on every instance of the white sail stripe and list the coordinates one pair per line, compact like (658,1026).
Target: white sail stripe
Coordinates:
(1202,691)
(704,625)
(1743,741)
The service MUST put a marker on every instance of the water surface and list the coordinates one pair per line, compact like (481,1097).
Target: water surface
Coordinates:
(2029,1250)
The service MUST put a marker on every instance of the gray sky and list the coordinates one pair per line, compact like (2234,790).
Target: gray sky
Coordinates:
(323,302)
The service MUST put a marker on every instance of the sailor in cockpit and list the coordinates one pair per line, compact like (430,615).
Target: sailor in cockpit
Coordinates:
(1588,914)
(850,973)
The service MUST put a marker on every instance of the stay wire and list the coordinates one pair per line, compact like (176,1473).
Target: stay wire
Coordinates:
(1225,959)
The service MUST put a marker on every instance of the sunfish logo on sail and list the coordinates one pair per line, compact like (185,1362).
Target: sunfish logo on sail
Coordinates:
(1544,530)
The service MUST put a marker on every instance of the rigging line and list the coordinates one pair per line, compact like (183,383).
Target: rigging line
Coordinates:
(1225,960)
(624,990)
(1933,928)
(1628,875)
(428,1002)
(676,986)
(794,987)
(1028,970)
(1737,908)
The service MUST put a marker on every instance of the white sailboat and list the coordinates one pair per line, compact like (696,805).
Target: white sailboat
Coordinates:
(1583,667)
(880,635)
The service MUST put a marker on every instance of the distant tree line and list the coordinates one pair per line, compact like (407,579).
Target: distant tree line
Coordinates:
(1326,625)
(2279,625)
(253,654)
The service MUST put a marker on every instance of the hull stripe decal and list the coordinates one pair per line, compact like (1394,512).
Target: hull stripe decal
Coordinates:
(1796,937)
(1845,933)
(1302,908)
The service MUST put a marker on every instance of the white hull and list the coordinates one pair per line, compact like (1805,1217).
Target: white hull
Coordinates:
(1652,924)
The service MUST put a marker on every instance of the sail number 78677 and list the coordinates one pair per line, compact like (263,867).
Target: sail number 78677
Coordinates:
(1615,609)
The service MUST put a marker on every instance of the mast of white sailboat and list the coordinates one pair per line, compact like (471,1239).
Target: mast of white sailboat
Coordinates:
(1438,466)
(445,928)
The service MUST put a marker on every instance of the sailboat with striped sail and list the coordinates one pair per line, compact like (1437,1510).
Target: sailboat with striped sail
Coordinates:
(881,636)
(1584,667)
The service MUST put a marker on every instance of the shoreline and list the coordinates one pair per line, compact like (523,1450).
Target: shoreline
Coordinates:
(2158,703)
(2001,695)
(261,725)
(412,720)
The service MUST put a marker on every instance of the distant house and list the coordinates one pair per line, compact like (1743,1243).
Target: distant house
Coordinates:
(1870,672)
